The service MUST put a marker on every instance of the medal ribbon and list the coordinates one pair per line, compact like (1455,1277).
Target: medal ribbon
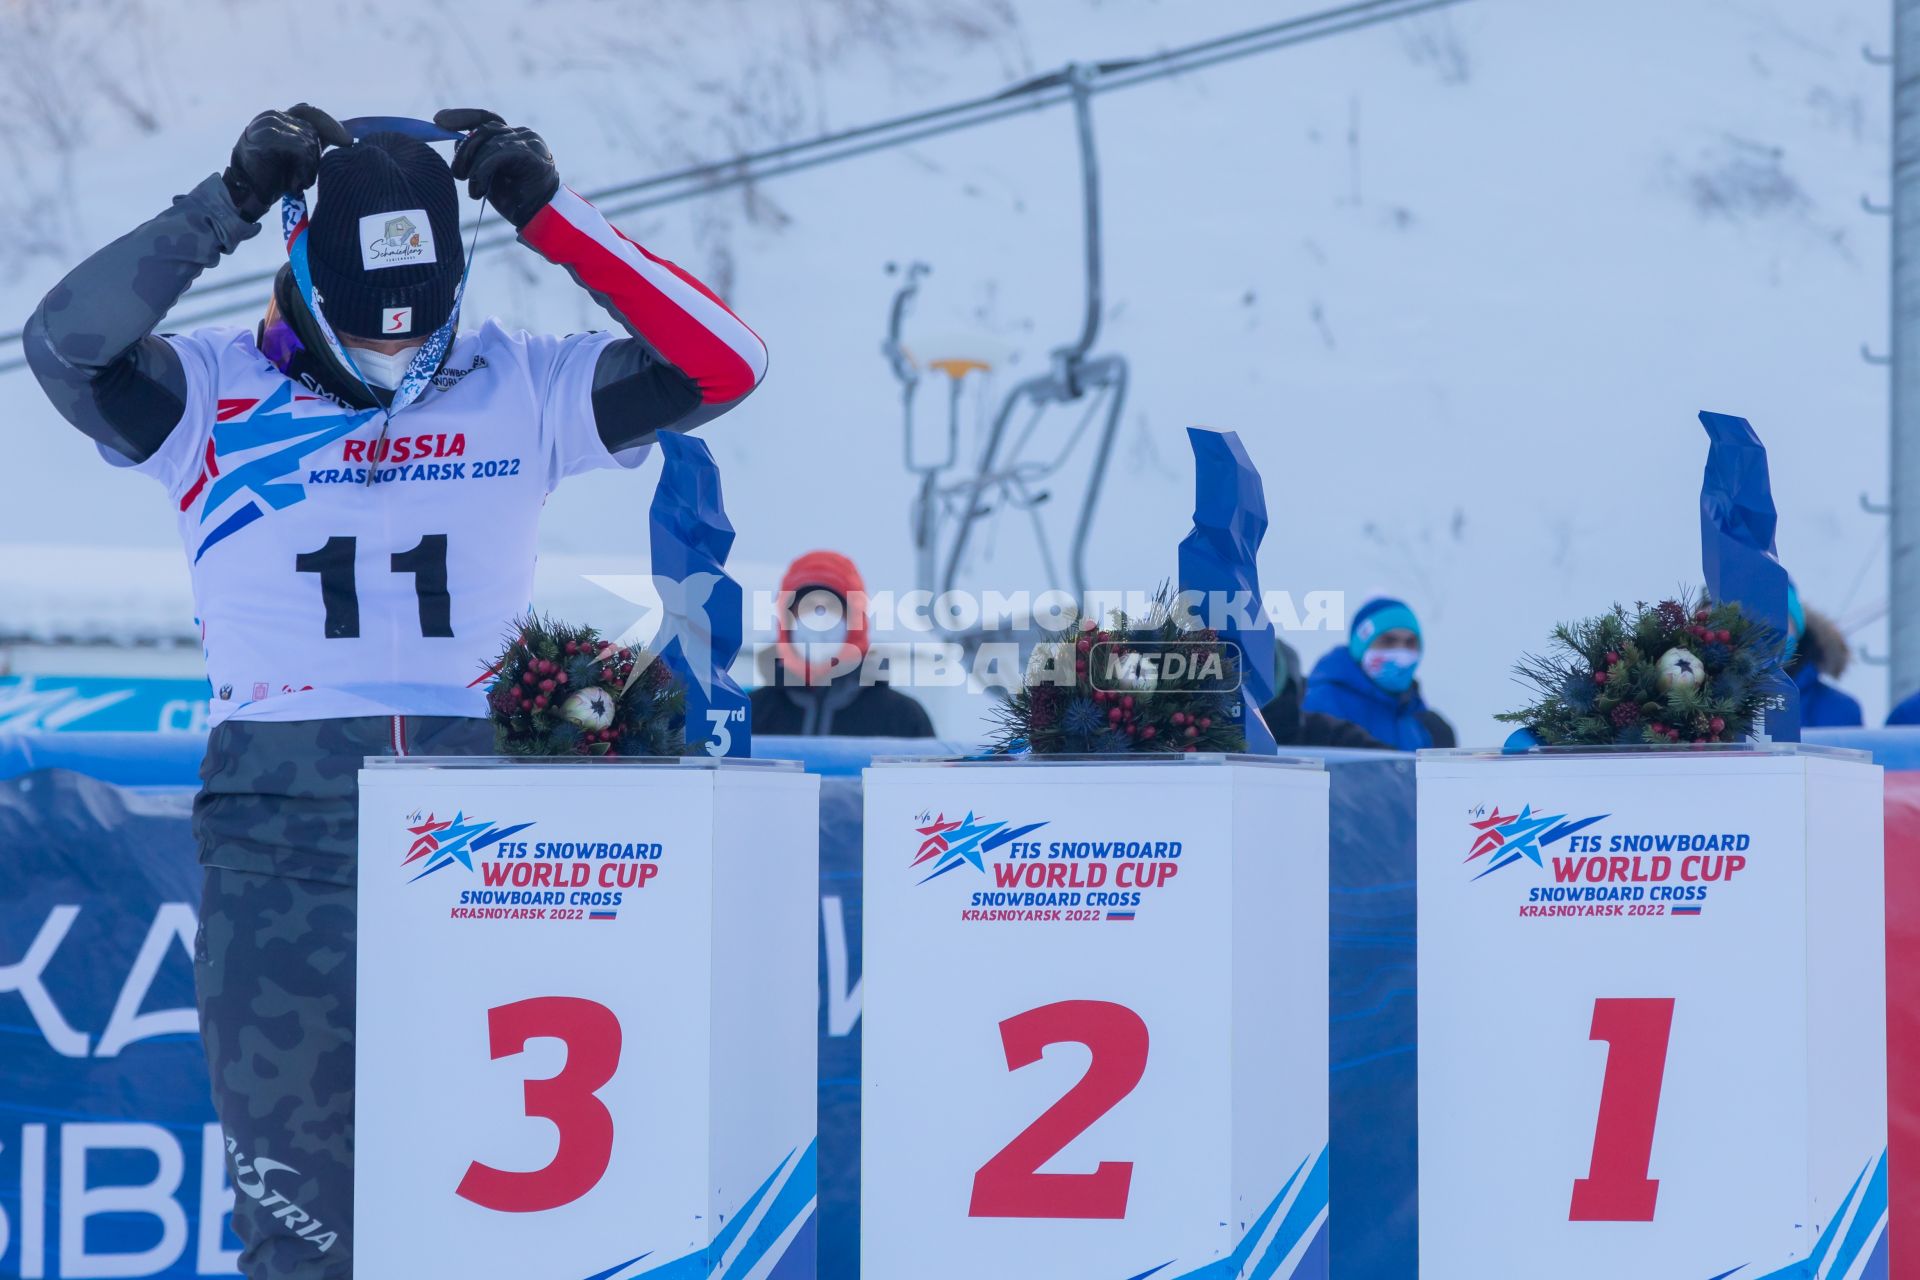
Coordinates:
(427,357)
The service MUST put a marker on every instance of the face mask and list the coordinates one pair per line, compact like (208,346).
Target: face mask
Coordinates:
(380,369)
(1391,669)
(819,634)
(826,640)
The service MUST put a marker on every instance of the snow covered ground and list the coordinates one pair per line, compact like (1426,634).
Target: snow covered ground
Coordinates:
(1461,283)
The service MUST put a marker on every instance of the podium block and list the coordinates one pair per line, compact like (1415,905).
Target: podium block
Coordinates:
(587,1009)
(1652,1014)
(1095,1020)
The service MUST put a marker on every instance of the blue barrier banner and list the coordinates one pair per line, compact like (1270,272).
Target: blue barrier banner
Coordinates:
(704,609)
(1737,522)
(841,966)
(1372,1063)
(125,759)
(66,704)
(110,1158)
(1217,560)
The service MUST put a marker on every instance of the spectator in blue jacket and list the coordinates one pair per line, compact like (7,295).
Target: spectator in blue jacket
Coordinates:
(1370,683)
(1816,648)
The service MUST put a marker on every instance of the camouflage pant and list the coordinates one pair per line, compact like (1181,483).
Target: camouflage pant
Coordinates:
(277,821)
(274,977)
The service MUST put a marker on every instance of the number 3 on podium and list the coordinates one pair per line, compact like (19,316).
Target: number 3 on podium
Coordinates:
(1617,1188)
(1009,1185)
(591,1033)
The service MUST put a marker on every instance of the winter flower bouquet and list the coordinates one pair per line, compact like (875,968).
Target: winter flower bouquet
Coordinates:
(1153,685)
(561,690)
(1686,670)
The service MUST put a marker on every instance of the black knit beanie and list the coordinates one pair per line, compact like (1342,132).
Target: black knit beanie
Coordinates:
(383,243)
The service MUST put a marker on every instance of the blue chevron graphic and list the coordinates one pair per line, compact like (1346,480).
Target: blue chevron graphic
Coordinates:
(1252,1261)
(273,422)
(1866,1236)
(790,1203)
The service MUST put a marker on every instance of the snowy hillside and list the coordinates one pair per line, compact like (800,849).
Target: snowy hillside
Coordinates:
(1461,282)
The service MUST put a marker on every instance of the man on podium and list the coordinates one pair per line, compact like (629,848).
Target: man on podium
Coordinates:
(358,489)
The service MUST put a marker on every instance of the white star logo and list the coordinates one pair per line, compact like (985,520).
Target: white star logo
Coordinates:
(681,609)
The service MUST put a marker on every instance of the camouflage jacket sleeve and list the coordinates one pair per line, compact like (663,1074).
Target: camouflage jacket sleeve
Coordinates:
(90,342)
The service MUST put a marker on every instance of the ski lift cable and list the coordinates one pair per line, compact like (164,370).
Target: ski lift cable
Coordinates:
(1048,91)
(1038,94)
(1054,86)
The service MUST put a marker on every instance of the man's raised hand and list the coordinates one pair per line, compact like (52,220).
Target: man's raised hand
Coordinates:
(508,167)
(278,154)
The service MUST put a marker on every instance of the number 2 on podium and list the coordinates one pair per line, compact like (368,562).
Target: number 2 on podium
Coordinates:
(1010,1185)
(571,1100)
(1617,1188)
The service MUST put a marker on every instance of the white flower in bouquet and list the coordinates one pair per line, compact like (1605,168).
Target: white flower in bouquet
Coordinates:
(1681,669)
(590,709)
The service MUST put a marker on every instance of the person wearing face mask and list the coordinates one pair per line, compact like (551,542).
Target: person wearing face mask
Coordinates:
(1815,649)
(816,685)
(357,485)
(1369,683)
(1293,726)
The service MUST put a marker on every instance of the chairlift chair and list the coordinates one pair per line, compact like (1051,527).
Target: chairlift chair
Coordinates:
(1007,475)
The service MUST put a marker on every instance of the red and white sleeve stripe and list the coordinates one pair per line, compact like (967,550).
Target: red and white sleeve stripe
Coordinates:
(677,315)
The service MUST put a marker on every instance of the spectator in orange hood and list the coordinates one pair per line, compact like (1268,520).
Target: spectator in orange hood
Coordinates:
(817,690)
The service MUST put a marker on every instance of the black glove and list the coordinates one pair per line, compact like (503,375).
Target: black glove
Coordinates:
(510,168)
(278,155)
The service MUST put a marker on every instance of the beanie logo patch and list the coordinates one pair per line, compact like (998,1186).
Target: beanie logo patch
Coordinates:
(402,238)
(396,320)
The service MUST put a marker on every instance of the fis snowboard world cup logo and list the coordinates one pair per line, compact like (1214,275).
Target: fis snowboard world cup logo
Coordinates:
(1611,874)
(951,843)
(1064,880)
(516,879)
(1505,838)
(439,843)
